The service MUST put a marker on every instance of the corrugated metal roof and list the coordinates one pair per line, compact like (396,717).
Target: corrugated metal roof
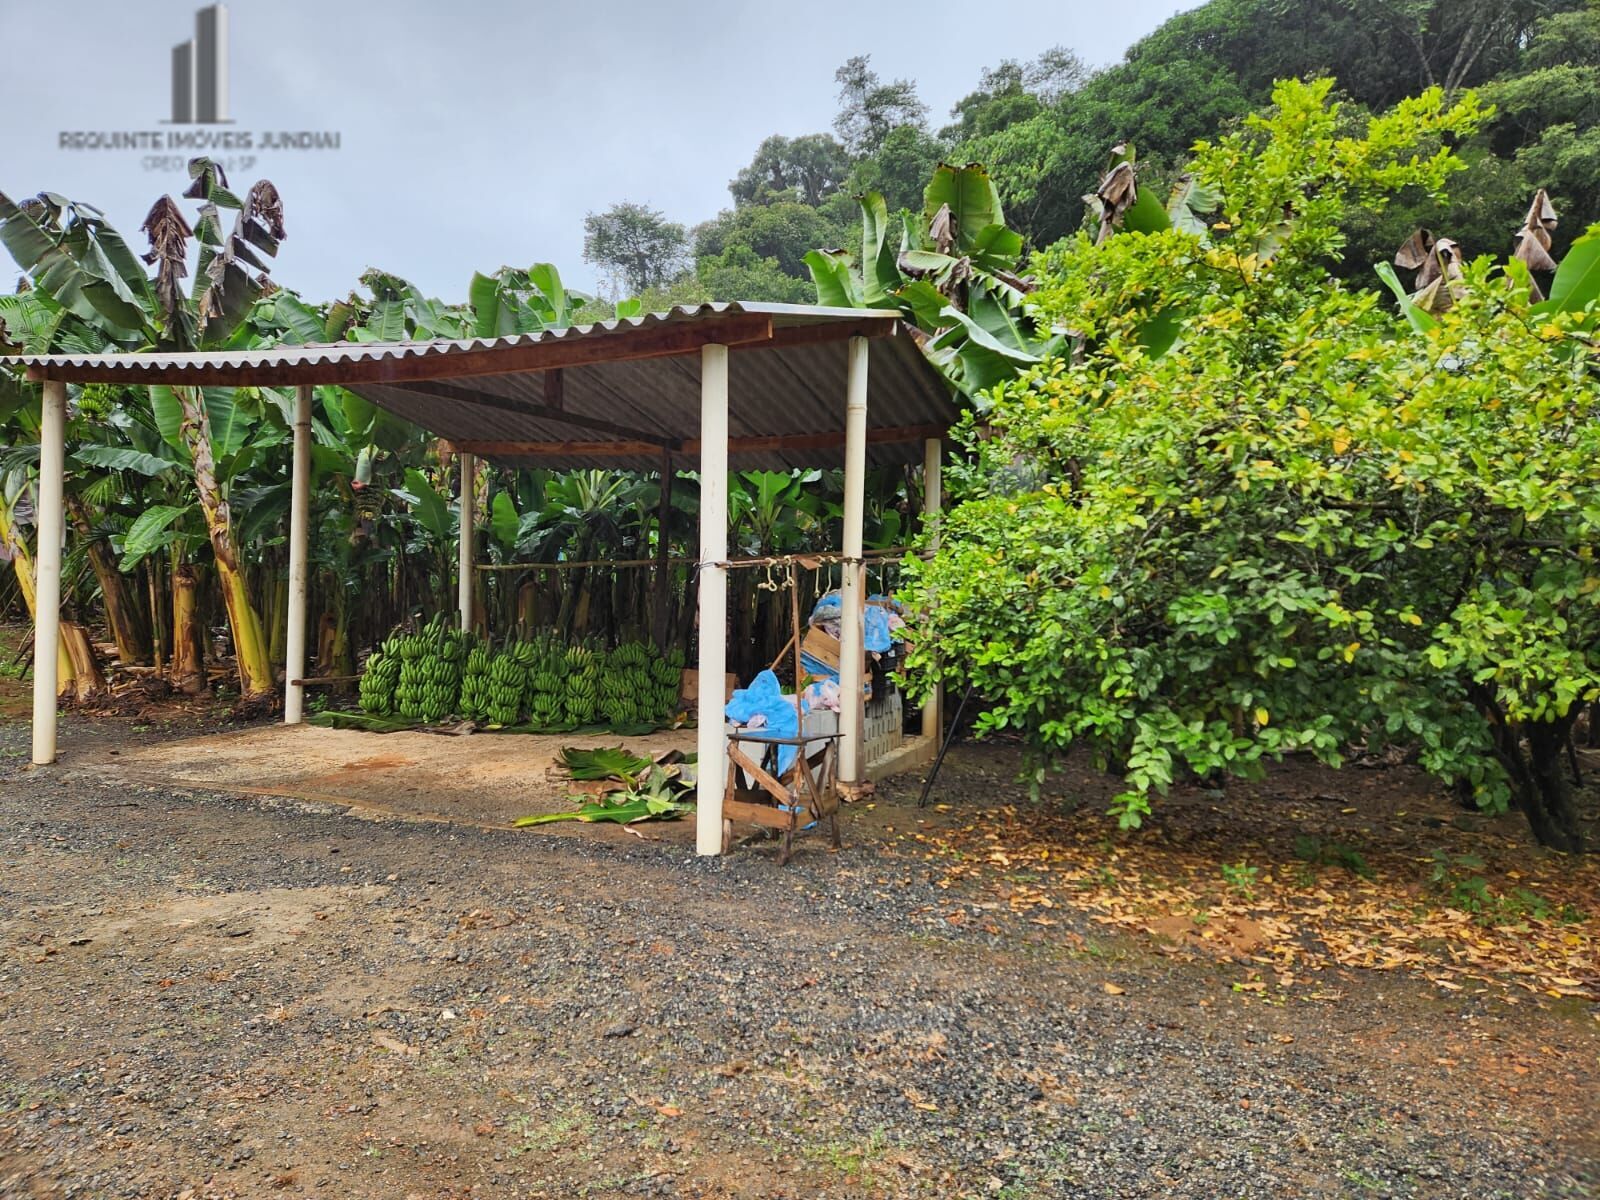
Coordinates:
(176,363)
(634,394)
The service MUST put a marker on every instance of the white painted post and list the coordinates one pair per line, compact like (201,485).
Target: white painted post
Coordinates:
(713,661)
(294,654)
(49,520)
(852,715)
(465,567)
(932,501)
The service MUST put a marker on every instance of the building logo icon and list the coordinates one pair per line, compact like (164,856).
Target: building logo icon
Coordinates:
(202,122)
(200,71)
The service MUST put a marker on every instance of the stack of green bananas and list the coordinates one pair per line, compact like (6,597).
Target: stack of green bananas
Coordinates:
(625,697)
(430,671)
(378,683)
(581,694)
(546,709)
(507,683)
(666,684)
(438,670)
(475,683)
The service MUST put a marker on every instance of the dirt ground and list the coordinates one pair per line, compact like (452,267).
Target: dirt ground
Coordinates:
(487,781)
(218,992)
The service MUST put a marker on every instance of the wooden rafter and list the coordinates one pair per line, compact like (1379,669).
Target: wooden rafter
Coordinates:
(779,442)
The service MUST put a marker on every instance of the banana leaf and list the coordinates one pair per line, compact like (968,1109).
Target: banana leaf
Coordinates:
(606,762)
(1577,280)
(628,812)
(362,721)
(1419,320)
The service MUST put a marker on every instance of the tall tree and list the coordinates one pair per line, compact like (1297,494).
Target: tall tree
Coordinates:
(808,169)
(636,245)
(870,108)
(1014,91)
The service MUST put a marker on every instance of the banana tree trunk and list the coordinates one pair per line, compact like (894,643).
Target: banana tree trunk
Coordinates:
(278,621)
(87,678)
(155,586)
(22,566)
(127,631)
(566,618)
(188,665)
(249,641)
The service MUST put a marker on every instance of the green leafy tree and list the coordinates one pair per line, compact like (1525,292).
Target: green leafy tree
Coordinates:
(808,169)
(784,231)
(636,245)
(899,167)
(739,273)
(1015,91)
(869,108)
(1303,525)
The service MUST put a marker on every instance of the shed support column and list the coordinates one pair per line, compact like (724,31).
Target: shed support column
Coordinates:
(465,567)
(49,521)
(713,660)
(932,501)
(852,714)
(294,653)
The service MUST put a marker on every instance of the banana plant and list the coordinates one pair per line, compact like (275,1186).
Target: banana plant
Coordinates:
(33,322)
(76,258)
(1440,279)
(954,278)
(514,300)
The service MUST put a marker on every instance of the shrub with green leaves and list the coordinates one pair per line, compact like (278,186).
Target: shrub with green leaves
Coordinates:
(1297,523)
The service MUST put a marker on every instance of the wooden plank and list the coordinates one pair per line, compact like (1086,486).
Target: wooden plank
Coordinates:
(764,815)
(555,389)
(544,354)
(825,331)
(766,782)
(771,443)
(563,449)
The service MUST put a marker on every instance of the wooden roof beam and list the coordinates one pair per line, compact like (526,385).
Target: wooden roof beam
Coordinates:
(770,443)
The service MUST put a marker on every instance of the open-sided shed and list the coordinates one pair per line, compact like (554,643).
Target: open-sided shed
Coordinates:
(704,388)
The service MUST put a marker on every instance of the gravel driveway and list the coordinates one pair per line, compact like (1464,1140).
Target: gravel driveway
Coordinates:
(207,996)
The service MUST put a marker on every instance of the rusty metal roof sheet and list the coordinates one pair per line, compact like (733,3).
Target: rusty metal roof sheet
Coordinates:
(628,392)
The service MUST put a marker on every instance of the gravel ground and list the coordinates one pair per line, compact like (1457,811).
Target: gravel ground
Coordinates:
(210,996)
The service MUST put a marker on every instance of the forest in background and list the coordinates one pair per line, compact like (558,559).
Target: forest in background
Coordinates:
(1043,127)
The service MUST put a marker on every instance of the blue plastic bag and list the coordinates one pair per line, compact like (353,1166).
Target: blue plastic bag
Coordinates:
(765,696)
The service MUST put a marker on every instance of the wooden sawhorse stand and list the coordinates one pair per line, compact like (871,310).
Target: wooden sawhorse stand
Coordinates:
(808,791)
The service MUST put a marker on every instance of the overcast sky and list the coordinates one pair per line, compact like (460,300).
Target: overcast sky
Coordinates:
(480,132)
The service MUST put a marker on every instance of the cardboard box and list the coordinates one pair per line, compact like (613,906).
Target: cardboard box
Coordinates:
(691,687)
(824,647)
